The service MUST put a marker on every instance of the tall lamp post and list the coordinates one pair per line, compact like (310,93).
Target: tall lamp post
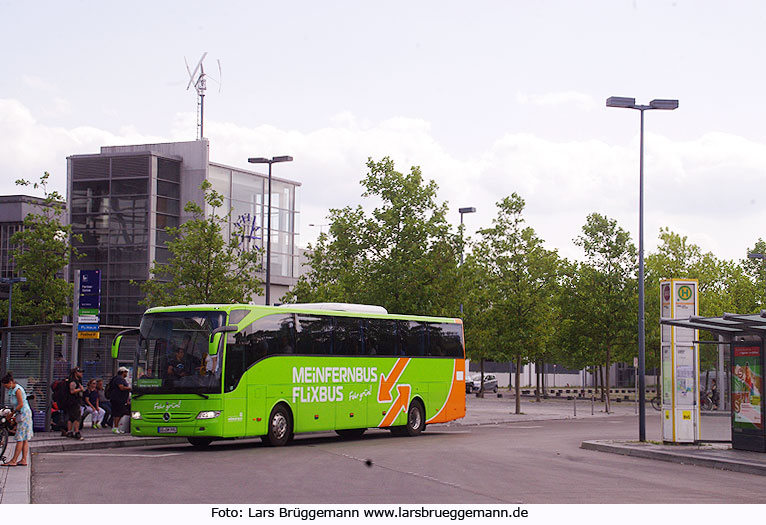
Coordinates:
(262,160)
(753,255)
(630,103)
(463,211)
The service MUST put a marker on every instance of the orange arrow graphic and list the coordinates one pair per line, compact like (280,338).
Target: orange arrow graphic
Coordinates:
(401,403)
(385,384)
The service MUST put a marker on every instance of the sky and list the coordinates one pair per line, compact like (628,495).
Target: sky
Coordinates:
(487,97)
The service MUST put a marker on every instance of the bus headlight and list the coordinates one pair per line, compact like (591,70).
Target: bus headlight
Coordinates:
(135,415)
(209,414)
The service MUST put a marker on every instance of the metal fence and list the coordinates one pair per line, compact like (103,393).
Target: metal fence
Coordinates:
(38,355)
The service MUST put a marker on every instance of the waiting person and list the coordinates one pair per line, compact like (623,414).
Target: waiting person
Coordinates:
(92,405)
(74,404)
(23,421)
(120,396)
(104,403)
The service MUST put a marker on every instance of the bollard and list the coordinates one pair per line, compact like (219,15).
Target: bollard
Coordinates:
(575,406)
(592,404)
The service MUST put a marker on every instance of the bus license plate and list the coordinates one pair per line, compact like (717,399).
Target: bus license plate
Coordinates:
(167,430)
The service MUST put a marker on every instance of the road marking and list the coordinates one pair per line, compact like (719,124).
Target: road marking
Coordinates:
(449,431)
(117,455)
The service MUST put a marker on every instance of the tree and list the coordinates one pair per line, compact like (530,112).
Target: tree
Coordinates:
(403,255)
(203,267)
(510,314)
(598,306)
(41,252)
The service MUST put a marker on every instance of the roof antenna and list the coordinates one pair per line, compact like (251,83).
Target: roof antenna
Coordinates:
(199,80)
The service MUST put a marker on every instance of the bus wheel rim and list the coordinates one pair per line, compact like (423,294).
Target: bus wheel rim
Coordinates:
(279,426)
(415,418)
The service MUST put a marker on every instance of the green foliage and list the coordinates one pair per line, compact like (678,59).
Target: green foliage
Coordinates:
(203,268)
(598,303)
(509,311)
(41,252)
(402,256)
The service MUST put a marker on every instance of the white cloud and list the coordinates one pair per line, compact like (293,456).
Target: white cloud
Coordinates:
(708,188)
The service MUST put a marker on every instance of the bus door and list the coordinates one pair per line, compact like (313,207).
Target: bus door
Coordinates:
(257,419)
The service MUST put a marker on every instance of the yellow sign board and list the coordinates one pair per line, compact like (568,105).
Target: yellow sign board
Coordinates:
(88,335)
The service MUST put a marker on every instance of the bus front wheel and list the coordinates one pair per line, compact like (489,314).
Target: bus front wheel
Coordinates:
(280,426)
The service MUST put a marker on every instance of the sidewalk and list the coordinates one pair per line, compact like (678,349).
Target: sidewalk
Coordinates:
(15,483)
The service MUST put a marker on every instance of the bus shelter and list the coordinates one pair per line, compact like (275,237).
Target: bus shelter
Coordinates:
(40,354)
(741,336)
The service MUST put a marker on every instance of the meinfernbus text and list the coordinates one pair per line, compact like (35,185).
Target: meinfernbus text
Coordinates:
(208,372)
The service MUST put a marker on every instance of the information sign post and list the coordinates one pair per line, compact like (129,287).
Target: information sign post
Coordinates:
(680,363)
(87,308)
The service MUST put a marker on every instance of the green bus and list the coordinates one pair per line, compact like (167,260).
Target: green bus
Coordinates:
(208,372)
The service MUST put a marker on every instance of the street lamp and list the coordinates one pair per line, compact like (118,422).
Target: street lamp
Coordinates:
(753,255)
(10,281)
(320,226)
(630,103)
(262,160)
(463,211)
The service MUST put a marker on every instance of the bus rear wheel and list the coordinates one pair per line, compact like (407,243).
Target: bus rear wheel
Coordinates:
(416,421)
(280,426)
(200,443)
(350,433)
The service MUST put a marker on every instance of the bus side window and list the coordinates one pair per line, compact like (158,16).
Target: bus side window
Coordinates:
(313,334)
(382,337)
(416,339)
(452,337)
(347,336)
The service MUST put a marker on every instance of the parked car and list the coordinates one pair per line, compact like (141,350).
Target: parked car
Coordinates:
(473,382)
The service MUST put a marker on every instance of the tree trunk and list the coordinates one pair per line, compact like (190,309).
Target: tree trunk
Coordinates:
(607,405)
(537,381)
(518,383)
(601,379)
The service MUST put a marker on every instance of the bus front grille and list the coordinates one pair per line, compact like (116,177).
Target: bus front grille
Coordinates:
(175,417)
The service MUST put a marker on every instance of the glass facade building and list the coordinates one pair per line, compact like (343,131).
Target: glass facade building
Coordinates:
(123,199)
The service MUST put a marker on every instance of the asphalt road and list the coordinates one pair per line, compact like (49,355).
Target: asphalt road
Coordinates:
(525,462)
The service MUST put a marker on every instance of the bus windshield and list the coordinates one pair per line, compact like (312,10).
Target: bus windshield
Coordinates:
(172,355)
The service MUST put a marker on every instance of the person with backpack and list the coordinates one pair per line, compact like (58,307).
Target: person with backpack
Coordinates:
(118,392)
(74,403)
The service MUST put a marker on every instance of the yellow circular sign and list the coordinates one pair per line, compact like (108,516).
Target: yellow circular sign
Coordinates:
(685,293)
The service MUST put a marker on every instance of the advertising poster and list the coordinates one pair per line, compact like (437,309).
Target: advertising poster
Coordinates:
(747,381)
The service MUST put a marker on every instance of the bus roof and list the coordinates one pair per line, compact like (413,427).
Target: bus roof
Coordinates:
(375,312)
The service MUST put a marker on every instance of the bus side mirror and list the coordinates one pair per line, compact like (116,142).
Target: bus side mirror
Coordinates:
(116,346)
(215,337)
(118,339)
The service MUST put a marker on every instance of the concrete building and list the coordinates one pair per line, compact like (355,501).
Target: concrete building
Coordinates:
(123,199)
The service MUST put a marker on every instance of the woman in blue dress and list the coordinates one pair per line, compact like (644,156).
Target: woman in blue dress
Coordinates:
(23,421)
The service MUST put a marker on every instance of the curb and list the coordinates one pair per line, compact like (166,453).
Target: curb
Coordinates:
(649,452)
(92,444)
